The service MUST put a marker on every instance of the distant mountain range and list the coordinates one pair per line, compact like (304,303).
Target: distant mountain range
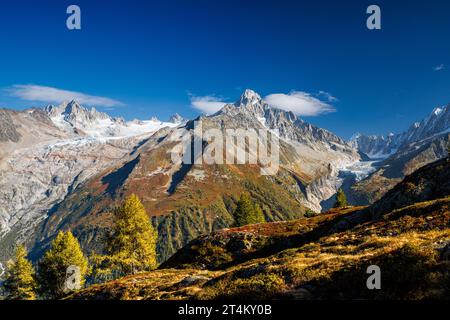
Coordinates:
(401,154)
(379,147)
(65,167)
(72,116)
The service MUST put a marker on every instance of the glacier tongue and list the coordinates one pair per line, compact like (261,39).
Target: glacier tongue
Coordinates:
(360,169)
(36,177)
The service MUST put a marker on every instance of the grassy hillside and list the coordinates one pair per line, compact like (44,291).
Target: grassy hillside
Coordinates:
(306,259)
(324,257)
(181,208)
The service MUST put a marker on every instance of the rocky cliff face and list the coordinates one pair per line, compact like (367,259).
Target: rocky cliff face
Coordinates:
(8,130)
(19,130)
(316,155)
(375,147)
(177,119)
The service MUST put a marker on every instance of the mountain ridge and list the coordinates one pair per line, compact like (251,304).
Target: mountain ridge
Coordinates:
(142,165)
(380,147)
(83,161)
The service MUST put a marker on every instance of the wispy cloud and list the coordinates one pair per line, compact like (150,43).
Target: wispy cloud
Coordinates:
(45,94)
(439,67)
(328,96)
(301,103)
(207,104)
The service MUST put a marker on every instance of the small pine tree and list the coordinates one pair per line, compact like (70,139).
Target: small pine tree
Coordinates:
(20,283)
(259,215)
(131,247)
(247,212)
(65,252)
(341,199)
(310,213)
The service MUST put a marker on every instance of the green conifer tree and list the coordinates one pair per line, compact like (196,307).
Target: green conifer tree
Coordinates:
(259,215)
(65,253)
(131,247)
(341,199)
(310,213)
(247,212)
(20,283)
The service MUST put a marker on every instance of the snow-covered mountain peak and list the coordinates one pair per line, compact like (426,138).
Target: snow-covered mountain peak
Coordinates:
(176,119)
(437,111)
(250,103)
(74,112)
(249,97)
(72,116)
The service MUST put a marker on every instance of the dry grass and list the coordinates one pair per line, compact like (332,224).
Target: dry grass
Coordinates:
(407,244)
(167,284)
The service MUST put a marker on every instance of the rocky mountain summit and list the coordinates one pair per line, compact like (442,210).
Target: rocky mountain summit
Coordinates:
(176,118)
(90,122)
(290,126)
(375,147)
(76,115)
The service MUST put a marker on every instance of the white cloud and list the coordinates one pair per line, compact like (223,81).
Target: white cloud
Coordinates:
(207,104)
(439,67)
(300,103)
(327,96)
(54,95)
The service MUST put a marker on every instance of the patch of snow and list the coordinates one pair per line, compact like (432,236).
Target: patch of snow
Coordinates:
(107,128)
(135,129)
(198,175)
(262,120)
(381,155)
(437,111)
(156,172)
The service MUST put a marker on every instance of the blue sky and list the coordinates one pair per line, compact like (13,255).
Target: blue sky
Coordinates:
(152,58)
